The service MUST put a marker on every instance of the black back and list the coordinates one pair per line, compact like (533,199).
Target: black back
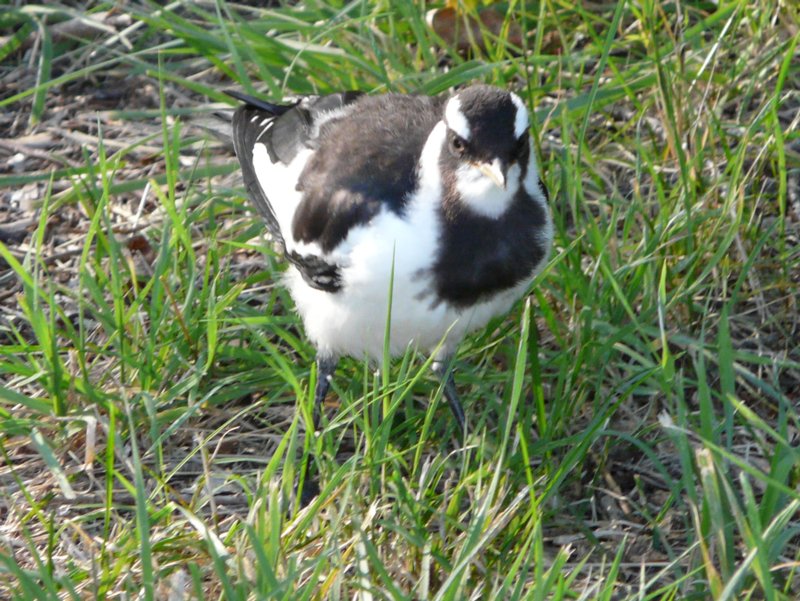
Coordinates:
(283,129)
(365,161)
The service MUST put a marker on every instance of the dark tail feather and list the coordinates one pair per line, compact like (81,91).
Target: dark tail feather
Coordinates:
(272,109)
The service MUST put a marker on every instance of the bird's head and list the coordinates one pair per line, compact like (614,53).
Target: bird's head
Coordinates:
(486,150)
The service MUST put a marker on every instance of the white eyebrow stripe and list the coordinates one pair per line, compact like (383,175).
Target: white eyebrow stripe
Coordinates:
(521,122)
(455,119)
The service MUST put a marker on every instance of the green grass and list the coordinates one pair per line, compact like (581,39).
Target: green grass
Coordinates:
(634,422)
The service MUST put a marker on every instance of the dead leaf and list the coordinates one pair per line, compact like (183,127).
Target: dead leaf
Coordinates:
(463,31)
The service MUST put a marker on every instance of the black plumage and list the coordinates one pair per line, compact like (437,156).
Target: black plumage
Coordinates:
(347,181)
(464,273)
(284,130)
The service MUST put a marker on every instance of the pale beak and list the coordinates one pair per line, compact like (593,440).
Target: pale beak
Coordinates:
(494,171)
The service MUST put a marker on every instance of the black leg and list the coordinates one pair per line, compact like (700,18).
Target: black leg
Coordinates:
(440,368)
(326,366)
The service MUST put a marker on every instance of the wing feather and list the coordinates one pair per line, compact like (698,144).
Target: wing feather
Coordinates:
(284,130)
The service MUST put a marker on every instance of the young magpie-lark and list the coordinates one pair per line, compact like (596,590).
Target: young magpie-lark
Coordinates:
(437,199)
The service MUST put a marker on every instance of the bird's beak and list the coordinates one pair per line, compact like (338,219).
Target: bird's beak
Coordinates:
(495,171)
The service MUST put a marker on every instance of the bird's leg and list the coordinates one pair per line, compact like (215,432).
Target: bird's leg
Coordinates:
(442,369)
(326,366)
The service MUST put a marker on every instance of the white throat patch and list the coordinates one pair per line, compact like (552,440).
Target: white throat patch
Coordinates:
(482,195)
(455,119)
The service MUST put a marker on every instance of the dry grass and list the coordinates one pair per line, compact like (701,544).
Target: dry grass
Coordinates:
(641,442)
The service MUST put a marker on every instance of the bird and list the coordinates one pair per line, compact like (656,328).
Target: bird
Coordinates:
(428,212)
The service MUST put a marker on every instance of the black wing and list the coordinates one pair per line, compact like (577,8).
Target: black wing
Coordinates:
(284,129)
(366,161)
(251,125)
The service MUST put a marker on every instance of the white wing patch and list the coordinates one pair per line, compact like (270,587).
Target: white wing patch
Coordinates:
(279,183)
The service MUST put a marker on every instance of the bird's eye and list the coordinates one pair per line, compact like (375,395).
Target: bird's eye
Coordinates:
(457,145)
